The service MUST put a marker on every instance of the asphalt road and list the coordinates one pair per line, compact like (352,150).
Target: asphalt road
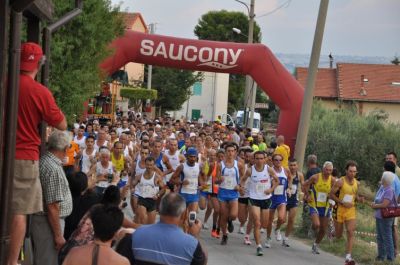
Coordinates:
(236,253)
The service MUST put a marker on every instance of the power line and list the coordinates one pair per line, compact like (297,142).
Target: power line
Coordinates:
(284,5)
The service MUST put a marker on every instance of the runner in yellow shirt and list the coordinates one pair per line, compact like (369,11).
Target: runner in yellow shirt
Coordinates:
(283,150)
(347,187)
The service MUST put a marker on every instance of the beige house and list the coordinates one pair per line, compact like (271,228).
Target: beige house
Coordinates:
(369,87)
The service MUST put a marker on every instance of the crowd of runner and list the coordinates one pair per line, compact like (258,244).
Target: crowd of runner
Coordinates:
(228,172)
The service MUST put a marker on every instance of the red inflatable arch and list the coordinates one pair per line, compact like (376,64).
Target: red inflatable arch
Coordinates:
(255,60)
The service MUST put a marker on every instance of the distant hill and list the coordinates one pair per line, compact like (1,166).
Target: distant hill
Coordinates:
(290,61)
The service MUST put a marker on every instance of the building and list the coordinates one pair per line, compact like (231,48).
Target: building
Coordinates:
(134,72)
(368,87)
(209,98)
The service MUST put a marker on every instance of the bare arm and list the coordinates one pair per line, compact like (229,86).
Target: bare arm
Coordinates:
(62,126)
(175,178)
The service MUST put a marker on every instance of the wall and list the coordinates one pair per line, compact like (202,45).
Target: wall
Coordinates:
(213,100)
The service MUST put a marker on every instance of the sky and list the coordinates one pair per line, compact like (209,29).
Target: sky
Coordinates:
(353,27)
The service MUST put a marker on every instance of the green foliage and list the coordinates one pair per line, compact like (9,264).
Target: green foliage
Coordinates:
(343,135)
(217,26)
(138,93)
(77,48)
(395,60)
(173,86)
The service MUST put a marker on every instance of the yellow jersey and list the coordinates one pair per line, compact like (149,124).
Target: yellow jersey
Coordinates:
(320,191)
(348,192)
(118,164)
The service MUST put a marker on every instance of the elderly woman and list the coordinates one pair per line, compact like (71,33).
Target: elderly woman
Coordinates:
(384,198)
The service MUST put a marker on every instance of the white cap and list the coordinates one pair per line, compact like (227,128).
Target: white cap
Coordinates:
(192,134)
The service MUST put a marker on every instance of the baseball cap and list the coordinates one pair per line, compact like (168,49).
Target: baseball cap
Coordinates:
(31,53)
(191,152)
(192,134)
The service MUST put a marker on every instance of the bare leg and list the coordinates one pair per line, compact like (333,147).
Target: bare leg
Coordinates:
(17,234)
(291,219)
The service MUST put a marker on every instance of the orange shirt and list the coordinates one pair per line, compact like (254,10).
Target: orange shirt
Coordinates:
(71,153)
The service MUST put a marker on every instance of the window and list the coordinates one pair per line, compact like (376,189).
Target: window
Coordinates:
(197,87)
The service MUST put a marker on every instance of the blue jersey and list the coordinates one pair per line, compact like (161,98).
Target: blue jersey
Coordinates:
(280,195)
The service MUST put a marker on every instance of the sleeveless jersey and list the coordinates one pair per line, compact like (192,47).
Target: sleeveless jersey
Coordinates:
(211,186)
(246,185)
(118,163)
(279,195)
(230,175)
(138,171)
(190,173)
(295,187)
(86,160)
(347,192)
(148,188)
(320,191)
(159,163)
(174,161)
(98,147)
(260,181)
(100,170)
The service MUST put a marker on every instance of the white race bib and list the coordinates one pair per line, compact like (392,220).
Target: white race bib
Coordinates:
(294,189)
(191,188)
(347,198)
(147,191)
(279,190)
(103,184)
(322,197)
(261,187)
(229,182)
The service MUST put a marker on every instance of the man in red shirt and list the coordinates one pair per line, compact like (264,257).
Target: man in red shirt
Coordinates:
(35,104)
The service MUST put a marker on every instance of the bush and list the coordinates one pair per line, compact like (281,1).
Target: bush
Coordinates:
(342,135)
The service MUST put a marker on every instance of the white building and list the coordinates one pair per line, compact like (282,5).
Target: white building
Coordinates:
(209,98)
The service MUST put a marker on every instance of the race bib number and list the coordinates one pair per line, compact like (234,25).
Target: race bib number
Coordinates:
(103,184)
(148,191)
(347,198)
(261,187)
(191,188)
(294,189)
(322,197)
(279,190)
(229,183)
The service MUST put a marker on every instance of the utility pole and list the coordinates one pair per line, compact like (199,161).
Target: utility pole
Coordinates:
(150,67)
(249,80)
(304,125)
(253,104)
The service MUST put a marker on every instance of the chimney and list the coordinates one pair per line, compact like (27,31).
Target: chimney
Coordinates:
(330,61)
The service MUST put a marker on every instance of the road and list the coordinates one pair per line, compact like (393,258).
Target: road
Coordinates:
(236,253)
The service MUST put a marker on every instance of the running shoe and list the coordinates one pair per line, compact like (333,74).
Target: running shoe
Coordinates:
(268,242)
(259,251)
(224,240)
(218,234)
(349,262)
(247,240)
(205,226)
(285,242)
(262,230)
(241,230)
(278,235)
(315,249)
(214,233)
(230,226)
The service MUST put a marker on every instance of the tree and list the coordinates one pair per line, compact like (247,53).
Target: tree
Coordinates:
(137,94)
(173,86)
(77,49)
(217,26)
(395,60)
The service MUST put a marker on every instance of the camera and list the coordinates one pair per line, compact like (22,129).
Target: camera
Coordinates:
(192,217)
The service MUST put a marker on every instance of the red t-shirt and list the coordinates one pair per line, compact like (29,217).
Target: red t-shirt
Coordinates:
(35,104)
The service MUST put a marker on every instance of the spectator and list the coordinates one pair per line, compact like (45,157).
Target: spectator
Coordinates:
(384,197)
(35,104)
(167,239)
(48,226)
(106,220)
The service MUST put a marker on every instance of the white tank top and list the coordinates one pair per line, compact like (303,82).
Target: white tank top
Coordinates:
(126,151)
(81,142)
(100,170)
(147,187)
(174,161)
(86,160)
(259,182)
(280,189)
(98,147)
(138,171)
(192,175)
(230,175)
(246,185)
